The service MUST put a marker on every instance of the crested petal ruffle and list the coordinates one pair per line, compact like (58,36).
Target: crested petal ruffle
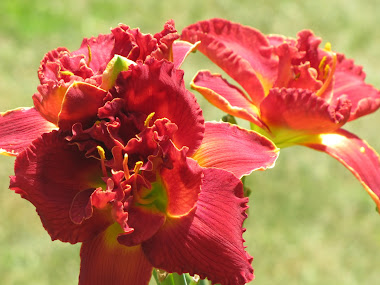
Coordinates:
(194,242)
(302,110)
(50,174)
(242,52)
(19,127)
(105,261)
(355,154)
(234,149)
(349,82)
(225,96)
(158,87)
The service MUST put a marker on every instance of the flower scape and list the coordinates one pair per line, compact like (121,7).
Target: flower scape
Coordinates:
(115,154)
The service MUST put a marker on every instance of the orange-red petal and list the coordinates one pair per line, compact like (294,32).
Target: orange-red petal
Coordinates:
(234,149)
(355,154)
(242,52)
(225,96)
(19,127)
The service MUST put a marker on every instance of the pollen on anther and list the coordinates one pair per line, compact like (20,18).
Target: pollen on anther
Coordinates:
(362,149)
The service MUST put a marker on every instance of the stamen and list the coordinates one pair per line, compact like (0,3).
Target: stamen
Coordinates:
(102,155)
(147,120)
(66,72)
(328,47)
(331,71)
(125,167)
(137,167)
(89,54)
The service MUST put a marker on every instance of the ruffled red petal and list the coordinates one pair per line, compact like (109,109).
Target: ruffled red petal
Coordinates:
(50,174)
(208,241)
(349,81)
(105,261)
(242,52)
(19,127)
(301,110)
(234,149)
(158,87)
(356,155)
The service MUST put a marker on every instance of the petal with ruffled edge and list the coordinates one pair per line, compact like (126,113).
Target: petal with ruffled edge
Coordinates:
(105,261)
(234,149)
(242,52)
(208,241)
(225,96)
(158,87)
(81,104)
(301,110)
(349,81)
(353,153)
(49,174)
(19,127)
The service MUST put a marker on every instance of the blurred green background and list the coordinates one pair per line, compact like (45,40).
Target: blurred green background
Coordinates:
(310,221)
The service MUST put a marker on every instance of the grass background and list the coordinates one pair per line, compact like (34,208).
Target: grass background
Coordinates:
(310,221)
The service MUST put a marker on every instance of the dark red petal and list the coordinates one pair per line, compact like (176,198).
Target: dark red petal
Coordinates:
(105,261)
(226,97)
(19,127)
(49,174)
(242,52)
(234,149)
(158,87)
(208,241)
(356,155)
(349,81)
(301,110)
(81,104)
(182,182)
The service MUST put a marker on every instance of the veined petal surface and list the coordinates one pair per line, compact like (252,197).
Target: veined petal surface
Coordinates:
(234,149)
(19,127)
(355,154)
(49,174)
(105,261)
(202,242)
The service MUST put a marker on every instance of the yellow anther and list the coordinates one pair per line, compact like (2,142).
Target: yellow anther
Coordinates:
(138,166)
(327,46)
(322,64)
(66,72)
(147,120)
(89,54)
(362,149)
(102,155)
(125,166)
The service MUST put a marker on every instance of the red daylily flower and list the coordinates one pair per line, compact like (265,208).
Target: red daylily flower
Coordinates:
(292,91)
(124,163)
